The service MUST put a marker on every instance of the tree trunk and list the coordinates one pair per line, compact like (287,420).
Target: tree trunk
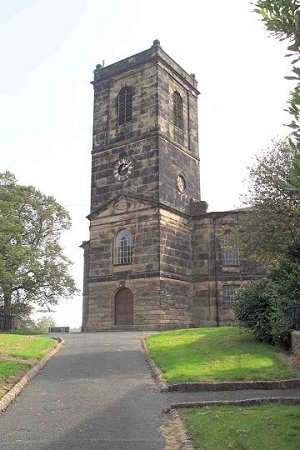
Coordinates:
(7,303)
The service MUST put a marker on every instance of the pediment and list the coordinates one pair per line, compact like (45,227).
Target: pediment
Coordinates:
(121,205)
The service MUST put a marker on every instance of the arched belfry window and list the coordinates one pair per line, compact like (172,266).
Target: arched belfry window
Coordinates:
(123,248)
(178,110)
(124,105)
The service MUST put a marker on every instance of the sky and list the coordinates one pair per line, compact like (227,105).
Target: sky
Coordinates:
(49,49)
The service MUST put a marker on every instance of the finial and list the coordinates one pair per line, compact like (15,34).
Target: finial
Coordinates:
(98,66)
(156,43)
(193,75)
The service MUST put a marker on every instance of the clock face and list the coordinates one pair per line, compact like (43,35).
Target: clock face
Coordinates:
(123,169)
(181,184)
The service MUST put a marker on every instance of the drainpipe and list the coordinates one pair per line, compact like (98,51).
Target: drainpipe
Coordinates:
(215,271)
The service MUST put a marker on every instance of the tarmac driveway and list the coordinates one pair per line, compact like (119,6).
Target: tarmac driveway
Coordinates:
(94,394)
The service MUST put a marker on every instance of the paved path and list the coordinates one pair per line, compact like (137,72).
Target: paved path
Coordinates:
(96,393)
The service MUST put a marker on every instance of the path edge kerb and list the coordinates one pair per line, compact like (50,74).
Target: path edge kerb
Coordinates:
(10,396)
(215,386)
(245,402)
(156,373)
(173,413)
(178,430)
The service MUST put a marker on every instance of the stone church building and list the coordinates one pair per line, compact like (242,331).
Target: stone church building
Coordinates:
(155,259)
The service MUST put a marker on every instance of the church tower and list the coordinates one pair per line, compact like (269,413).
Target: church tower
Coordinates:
(145,186)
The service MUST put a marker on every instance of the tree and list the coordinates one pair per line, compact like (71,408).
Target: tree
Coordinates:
(33,268)
(264,304)
(270,232)
(43,323)
(282,19)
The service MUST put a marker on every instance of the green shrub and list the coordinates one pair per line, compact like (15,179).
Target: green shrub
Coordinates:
(252,309)
(264,305)
(285,292)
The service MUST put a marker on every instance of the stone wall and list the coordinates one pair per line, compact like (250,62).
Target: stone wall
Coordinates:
(142,221)
(154,76)
(210,275)
(173,161)
(167,85)
(146,304)
(143,82)
(85,290)
(143,181)
(158,304)
(175,244)
(176,300)
(208,306)
(296,342)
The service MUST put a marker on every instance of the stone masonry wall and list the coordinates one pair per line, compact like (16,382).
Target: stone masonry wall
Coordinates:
(143,82)
(208,296)
(210,275)
(168,83)
(85,290)
(146,304)
(296,342)
(153,75)
(175,245)
(142,221)
(173,162)
(144,178)
(176,299)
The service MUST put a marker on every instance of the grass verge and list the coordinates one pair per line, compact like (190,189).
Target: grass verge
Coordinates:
(18,353)
(215,354)
(267,427)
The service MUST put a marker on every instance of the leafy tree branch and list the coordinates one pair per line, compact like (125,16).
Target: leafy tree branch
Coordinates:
(282,19)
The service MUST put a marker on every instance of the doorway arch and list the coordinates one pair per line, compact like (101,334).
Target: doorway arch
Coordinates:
(124,307)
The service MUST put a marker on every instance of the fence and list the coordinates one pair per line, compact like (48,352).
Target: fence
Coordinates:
(295,315)
(59,330)
(7,322)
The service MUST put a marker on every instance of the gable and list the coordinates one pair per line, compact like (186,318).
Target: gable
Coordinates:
(122,204)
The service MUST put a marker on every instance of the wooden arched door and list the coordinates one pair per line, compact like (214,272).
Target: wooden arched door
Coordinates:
(124,307)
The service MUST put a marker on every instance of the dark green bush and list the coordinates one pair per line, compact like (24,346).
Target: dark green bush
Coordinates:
(252,309)
(285,292)
(264,305)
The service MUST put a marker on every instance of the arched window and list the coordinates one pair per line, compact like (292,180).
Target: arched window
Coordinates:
(124,105)
(178,110)
(123,248)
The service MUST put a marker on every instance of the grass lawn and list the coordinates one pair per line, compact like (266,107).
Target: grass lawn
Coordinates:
(262,427)
(215,354)
(18,353)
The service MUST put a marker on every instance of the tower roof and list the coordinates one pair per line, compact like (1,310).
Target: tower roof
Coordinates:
(154,53)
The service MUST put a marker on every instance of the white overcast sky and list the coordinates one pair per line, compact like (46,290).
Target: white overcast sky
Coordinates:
(49,49)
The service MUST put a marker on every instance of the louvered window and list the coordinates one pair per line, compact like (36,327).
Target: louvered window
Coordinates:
(124,105)
(123,248)
(178,110)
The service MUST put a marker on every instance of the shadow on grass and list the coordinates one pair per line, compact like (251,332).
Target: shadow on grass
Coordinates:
(215,354)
